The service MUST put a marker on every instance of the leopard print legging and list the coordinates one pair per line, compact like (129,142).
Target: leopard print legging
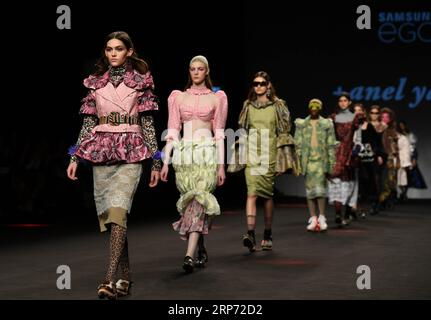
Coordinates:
(119,255)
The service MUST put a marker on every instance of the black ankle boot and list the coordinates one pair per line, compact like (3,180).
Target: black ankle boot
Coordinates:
(249,240)
(348,213)
(188,264)
(202,258)
(354,214)
(267,240)
(374,208)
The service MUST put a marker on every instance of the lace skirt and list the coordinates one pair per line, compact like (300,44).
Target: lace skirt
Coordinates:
(115,186)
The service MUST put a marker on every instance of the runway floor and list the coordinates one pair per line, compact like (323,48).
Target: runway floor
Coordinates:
(395,245)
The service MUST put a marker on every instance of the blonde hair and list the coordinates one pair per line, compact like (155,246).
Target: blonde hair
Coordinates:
(202,59)
(208,82)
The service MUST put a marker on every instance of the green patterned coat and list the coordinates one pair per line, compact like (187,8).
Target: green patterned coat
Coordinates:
(326,142)
(286,157)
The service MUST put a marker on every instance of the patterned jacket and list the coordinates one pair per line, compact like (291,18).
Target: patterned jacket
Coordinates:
(286,158)
(326,142)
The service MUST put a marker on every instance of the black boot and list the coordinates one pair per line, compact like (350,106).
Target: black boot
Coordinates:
(374,208)
(202,258)
(188,264)
(267,240)
(403,195)
(353,214)
(347,214)
(249,240)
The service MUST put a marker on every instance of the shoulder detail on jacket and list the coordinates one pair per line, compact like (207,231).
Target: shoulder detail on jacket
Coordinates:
(221,94)
(245,103)
(138,81)
(174,94)
(299,122)
(96,82)
(281,102)
(327,123)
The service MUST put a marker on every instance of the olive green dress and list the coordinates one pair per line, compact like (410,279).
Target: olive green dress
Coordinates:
(262,150)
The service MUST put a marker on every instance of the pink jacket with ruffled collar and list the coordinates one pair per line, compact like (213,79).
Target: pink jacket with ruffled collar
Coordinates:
(133,95)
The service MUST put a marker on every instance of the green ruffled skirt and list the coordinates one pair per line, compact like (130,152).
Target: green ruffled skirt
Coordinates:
(195,165)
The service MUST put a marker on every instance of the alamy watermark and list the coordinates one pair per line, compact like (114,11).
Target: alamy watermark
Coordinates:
(397,26)
(242,147)
(64,19)
(65,278)
(364,280)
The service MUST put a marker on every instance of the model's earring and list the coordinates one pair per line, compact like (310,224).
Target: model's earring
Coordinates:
(268,92)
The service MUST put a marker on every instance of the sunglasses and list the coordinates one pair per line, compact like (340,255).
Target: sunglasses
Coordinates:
(260,83)
(374,112)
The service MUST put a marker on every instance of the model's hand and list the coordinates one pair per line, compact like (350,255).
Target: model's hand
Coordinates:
(71,170)
(414,163)
(277,174)
(164,173)
(221,176)
(380,160)
(155,177)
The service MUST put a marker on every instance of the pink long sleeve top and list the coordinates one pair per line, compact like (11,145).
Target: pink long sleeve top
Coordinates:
(202,104)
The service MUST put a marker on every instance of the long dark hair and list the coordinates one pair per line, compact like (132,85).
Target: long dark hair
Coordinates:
(375,106)
(391,130)
(364,111)
(393,122)
(252,96)
(406,129)
(348,97)
(137,63)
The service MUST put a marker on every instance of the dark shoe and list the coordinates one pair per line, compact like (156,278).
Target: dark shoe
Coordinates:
(353,215)
(382,205)
(347,214)
(249,241)
(188,264)
(202,258)
(123,287)
(266,245)
(374,209)
(107,290)
(390,204)
(363,213)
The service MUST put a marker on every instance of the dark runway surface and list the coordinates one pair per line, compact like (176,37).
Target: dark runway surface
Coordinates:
(396,246)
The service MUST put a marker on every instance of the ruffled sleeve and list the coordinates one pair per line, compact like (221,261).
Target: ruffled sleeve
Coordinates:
(147,100)
(298,141)
(220,116)
(299,125)
(89,104)
(284,123)
(174,122)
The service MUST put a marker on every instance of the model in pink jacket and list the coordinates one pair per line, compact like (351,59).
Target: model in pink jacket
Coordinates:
(117,135)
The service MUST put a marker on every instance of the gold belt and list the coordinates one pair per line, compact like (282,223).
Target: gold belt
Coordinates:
(115,119)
